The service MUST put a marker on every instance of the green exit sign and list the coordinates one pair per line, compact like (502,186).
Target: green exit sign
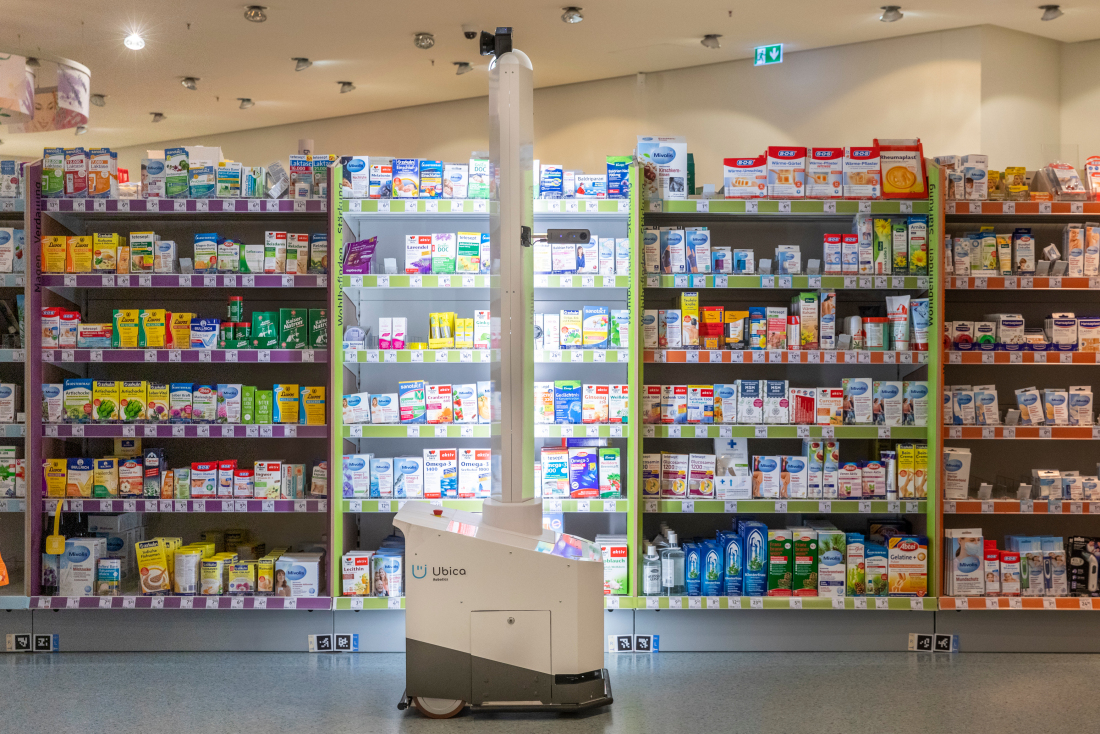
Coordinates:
(769,55)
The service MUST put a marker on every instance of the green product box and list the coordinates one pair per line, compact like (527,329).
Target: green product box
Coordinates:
(265,407)
(318,327)
(293,333)
(235,344)
(780,562)
(265,330)
(616,568)
(248,404)
(805,565)
(177,173)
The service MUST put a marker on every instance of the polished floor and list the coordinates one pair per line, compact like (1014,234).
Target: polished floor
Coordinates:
(271,693)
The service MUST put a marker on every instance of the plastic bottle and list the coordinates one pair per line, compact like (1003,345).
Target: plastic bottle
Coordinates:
(651,572)
(672,568)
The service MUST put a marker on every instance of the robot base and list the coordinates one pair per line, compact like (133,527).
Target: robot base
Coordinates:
(437,708)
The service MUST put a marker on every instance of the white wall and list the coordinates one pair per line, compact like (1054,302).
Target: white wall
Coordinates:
(1080,89)
(980,89)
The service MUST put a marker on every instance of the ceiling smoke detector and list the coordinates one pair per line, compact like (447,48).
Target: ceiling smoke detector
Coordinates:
(33,62)
(157,116)
(301,63)
(190,82)
(346,87)
(711,40)
(423,41)
(462,67)
(81,129)
(245,102)
(1051,12)
(571,15)
(255,13)
(890,13)
(99,100)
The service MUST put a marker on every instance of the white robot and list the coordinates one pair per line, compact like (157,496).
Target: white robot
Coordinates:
(499,613)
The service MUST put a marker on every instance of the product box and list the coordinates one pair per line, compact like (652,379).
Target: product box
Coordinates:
(858,400)
(474,473)
(674,475)
(665,160)
(441,473)
(825,173)
(406,178)
(411,401)
(568,402)
(786,172)
(862,174)
(674,404)
(908,563)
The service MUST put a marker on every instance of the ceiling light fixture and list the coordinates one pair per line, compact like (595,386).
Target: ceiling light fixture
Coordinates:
(462,67)
(301,63)
(571,15)
(1051,12)
(245,102)
(255,13)
(157,116)
(81,129)
(99,100)
(134,42)
(346,87)
(890,13)
(424,41)
(711,40)
(33,62)
(190,82)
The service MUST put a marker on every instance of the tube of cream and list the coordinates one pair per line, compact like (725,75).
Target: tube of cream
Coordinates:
(918,308)
(1004,253)
(897,307)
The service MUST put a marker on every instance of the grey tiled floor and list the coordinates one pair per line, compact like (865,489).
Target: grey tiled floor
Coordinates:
(271,693)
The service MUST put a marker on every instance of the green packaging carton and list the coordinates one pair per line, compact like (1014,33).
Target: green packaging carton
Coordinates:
(248,404)
(265,407)
(293,330)
(780,562)
(805,563)
(265,330)
(318,327)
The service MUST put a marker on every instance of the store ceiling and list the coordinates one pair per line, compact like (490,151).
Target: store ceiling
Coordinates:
(371,45)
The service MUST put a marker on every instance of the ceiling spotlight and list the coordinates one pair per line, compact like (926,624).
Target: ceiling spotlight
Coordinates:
(255,13)
(711,40)
(99,100)
(134,42)
(301,63)
(157,116)
(245,102)
(81,129)
(1051,12)
(462,67)
(33,62)
(346,87)
(424,41)
(571,15)
(890,13)
(190,82)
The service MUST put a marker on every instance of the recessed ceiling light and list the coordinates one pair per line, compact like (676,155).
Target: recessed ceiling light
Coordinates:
(424,41)
(255,13)
(346,87)
(134,42)
(157,116)
(33,62)
(301,63)
(99,100)
(1051,12)
(711,40)
(190,82)
(245,102)
(462,67)
(890,13)
(571,15)
(81,129)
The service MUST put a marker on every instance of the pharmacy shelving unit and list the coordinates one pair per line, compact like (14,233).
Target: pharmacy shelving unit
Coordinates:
(363,298)
(13,363)
(276,522)
(1005,455)
(761,226)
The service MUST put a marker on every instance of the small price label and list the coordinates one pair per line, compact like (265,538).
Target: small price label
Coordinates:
(674,431)
(781,506)
(178,432)
(149,431)
(757,602)
(864,506)
(760,431)
(687,506)
(825,506)
(692,356)
(1044,207)
(730,506)
(150,355)
(204,355)
(1027,506)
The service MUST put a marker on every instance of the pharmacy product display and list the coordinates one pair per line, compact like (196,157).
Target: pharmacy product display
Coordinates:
(969,178)
(379,572)
(813,560)
(107,433)
(588,327)
(809,323)
(775,433)
(115,556)
(416,401)
(1063,331)
(106,253)
(14,355)
(979,405)
(131,472)
(435,475)
(816,472)
(557,182)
